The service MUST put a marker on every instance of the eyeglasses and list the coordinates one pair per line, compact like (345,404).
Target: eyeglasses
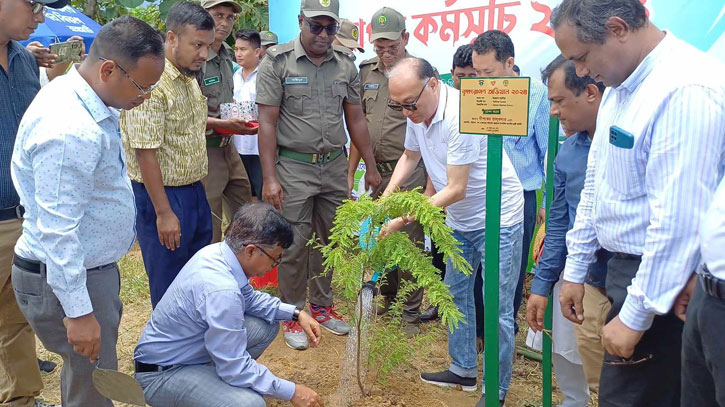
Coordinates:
(316,29)
(412,106)
(36,7)
(392,50)
(275,262)
(144,91)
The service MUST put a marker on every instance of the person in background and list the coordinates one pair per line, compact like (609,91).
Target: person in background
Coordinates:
(459,177)
(349,37)
(648,185)
(493,56)
(268,39)
(205,336)
(301,142)
(517,70)
(227,184)
(68,168)
(166,150)
(575,102)
(462,65)
(248,53)
(20,380)
(49,70)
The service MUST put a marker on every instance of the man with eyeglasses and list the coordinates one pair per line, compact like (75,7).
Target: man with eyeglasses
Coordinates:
(165,146)
(205,336)
(20,379)
(387,135)
(69,169)
(456,164)
(303,88)
(227,185)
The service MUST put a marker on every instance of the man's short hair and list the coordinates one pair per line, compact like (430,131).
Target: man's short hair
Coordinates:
(258,223)
(125,40)
(463,57)
(573,82)
(590,16)
(186,13)
(251,36)
(497,41)
(422,68)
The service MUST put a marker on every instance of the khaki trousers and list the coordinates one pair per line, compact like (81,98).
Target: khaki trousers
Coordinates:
(19,374)
(589,334)
(227,185)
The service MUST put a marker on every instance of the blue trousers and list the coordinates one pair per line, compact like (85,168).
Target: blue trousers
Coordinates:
(192,209)
(530,212)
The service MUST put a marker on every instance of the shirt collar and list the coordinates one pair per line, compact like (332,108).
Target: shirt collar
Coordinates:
(582,137)
(95,106)
(648,64)
(300,52)
(441,109)
(173,73)
(233,263)
(241,72)
(14,48)
(224,52)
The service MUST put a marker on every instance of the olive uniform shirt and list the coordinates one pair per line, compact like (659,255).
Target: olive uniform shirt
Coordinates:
(216,79)
(310,97)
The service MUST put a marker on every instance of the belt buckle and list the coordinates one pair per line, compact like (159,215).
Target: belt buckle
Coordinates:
(18,212)
(315,157)
(326,158)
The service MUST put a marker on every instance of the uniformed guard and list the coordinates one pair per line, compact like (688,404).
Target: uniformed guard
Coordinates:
(387,134)
(268,39)
(349,37)
(303,88)
(227,185)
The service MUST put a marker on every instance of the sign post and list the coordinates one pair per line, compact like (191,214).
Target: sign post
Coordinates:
(494,107)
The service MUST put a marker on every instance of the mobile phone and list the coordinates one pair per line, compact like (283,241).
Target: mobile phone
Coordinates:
(620,138)
(67,51)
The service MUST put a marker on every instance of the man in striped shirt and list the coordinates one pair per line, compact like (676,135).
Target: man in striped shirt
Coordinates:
(654,164)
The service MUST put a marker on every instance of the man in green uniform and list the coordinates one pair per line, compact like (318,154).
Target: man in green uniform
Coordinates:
(387,134)
(227,185)
(303,88)
(349,37)
(268,39)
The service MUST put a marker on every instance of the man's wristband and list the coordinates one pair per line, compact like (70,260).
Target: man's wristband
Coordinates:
(296,314)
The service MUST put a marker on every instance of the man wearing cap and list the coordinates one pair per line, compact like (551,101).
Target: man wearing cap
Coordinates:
(20,378)
(349,37)
(227,184)
(387,135)
(268,39)
(303,88)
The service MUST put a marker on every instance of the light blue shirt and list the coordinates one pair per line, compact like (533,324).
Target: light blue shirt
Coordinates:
(650,200)
(69,170)
(528,154)
(200,319)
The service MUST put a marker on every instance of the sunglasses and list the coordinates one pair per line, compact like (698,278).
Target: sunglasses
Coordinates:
(144,91)
(412,106)
(36,7)
(316,29)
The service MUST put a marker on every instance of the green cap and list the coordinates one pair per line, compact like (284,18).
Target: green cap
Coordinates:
(207,4)
(316,8)
(387,23)
(349,35)
(268,38)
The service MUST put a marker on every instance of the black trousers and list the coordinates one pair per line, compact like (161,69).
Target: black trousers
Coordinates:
(651,377)
(703,352)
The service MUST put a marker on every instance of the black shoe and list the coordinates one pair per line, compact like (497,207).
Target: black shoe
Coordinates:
(46,366)
(448,379)
(431,314)
(482,402)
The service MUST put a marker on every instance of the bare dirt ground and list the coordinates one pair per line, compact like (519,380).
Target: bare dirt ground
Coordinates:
(320,368)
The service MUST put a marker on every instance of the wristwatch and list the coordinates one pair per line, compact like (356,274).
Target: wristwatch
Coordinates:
(296,314)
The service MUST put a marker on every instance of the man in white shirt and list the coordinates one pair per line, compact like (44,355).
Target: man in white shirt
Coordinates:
(653,168)
(456,164)
(248,52)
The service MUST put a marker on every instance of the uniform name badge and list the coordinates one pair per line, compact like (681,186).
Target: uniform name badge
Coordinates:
(372,86)
(211,80)
(296,80)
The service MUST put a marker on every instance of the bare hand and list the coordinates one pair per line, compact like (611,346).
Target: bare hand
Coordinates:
(372,177)
(79,39)
(541,217)
(169,230)
(350,186)
(311,328)
(619,339)
(84,333)
(239,126)
(571,299)
(306,397)
(683,299)
(42,55)
(535,310)
(391,226)
(272,193)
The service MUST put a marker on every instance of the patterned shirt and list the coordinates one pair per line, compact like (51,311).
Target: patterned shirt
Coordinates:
(69,169)
(18,87)
(650,199)
(172,121)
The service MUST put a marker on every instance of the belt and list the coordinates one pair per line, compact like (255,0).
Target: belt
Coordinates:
(310,158)
(218,141)
(33,266)
(13,212)
(627,256)
(141,367)
(386,166)
(712,285)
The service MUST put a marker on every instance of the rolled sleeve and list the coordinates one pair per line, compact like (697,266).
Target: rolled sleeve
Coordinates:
(269,83)
(144,126)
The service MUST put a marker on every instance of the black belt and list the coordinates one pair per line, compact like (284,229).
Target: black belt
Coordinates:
(33,266)
(141,367)
(386,166)
(13,212)
(627,256)
(712,285)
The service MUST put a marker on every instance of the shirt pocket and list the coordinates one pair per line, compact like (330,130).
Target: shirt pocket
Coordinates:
(370,96)
(622,173)
(294,98)
(339,94)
